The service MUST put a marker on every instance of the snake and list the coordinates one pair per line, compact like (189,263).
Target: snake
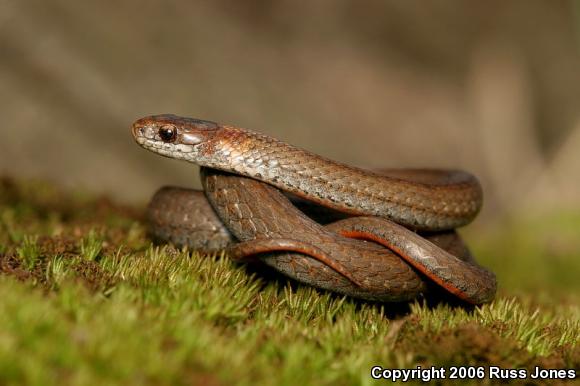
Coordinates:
(393,239)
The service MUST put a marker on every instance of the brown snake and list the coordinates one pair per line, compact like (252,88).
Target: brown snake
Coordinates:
(270,228)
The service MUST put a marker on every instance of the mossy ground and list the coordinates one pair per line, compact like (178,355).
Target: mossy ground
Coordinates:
(85,298)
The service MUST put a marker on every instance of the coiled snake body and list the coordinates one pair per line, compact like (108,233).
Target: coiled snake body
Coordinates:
(241,170)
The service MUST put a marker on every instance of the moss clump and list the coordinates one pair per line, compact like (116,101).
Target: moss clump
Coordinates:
(87,299)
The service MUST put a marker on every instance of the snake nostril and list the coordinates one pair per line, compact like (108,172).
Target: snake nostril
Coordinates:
(138,130)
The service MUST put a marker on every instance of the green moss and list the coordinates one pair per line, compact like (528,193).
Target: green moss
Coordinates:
(28,251)
(89,300)
(91,246)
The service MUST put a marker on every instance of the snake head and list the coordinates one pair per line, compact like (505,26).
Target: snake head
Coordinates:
(174,136)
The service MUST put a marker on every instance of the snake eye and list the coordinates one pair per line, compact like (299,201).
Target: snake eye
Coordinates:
(168,133)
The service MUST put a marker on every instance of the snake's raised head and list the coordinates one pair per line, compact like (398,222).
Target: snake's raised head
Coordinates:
(174,136)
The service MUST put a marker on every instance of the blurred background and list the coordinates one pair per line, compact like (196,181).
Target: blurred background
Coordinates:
(493,88)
